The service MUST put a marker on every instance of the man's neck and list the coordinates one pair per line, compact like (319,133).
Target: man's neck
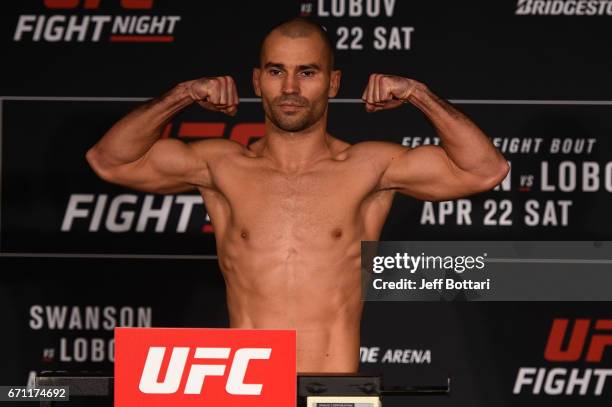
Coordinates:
(295,151)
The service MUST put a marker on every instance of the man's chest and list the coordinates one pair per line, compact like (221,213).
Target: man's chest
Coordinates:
(317,192)
(327,197)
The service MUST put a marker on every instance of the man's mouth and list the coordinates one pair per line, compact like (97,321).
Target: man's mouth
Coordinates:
(290,107)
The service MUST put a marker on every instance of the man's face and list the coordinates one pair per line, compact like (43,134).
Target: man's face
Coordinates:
(295,81)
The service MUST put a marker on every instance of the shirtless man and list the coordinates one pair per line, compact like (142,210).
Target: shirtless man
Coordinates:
(290,210)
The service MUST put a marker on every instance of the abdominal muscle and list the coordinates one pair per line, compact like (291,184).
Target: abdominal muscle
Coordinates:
(312,288)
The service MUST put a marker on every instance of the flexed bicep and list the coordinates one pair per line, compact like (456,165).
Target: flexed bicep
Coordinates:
(132,154)
(169,166)
(427,173)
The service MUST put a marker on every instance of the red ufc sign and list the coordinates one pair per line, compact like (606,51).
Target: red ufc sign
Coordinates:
(599,340)
(94,4)
(242,133)
(204,367)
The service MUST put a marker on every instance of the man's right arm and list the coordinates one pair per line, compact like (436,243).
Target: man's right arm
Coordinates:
(132,154)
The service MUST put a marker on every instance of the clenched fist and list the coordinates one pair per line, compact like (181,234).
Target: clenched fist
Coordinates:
(387,91)
(218,94)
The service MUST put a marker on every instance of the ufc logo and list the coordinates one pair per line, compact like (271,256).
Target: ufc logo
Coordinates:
(94,4)
(150,384)
(577,340)
(241,132)
(195,367)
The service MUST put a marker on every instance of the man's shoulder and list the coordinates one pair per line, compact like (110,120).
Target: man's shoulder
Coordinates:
(376,149)
(213,147)
(376,156)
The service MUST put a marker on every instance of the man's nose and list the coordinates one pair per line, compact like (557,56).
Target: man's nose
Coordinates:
(290,85)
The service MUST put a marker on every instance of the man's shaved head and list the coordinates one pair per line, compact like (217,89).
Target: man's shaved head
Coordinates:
(301,27)
(296,75)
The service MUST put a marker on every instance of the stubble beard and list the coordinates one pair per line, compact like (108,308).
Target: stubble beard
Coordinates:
(295,121)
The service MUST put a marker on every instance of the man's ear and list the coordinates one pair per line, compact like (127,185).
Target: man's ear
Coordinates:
(334,83)
(256,73)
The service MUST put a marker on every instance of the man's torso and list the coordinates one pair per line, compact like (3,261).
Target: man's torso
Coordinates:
(289,246)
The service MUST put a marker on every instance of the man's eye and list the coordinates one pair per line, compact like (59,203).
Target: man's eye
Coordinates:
(274,72)
(308,73)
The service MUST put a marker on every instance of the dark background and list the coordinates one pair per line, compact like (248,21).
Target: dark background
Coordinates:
(516,76)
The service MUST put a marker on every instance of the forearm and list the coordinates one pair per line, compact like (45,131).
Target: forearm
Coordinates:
(465,144)
(132,136)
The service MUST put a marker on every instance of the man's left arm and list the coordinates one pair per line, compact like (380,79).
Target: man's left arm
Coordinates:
(464,164)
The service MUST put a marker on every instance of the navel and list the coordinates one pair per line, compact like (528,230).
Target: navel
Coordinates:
(337,233)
